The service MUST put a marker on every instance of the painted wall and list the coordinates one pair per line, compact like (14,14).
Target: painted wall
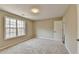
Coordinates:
(78,20)
(10,42)
(70,29)
(45,28)
(77,27)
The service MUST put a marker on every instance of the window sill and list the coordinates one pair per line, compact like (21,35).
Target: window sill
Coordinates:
(15,37)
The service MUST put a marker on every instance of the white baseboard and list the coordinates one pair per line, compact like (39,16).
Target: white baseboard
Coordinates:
(45,38)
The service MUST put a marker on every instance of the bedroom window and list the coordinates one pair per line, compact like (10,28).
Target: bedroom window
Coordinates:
(20,27)
(14,27)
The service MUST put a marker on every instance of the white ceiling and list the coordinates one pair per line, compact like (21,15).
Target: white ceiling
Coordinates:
(46,10)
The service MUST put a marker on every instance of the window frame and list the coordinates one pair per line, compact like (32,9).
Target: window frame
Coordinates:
(4,28)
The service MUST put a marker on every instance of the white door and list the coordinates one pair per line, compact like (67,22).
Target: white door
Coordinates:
(58,30)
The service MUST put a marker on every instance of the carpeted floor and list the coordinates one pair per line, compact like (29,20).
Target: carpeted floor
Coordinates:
(37,46)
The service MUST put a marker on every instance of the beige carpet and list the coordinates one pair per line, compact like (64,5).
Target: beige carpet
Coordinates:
(37,46)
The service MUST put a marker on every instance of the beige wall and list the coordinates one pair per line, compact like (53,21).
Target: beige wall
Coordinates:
(70,29)
(77,27)
(45,28)
(77,20)
(10,42)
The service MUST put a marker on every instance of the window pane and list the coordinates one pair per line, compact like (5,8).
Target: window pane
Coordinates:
(21,27)
(21,31)
(13,23)
(12,32)
(14,27)
(10,27)
(7,33)
(7,21)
